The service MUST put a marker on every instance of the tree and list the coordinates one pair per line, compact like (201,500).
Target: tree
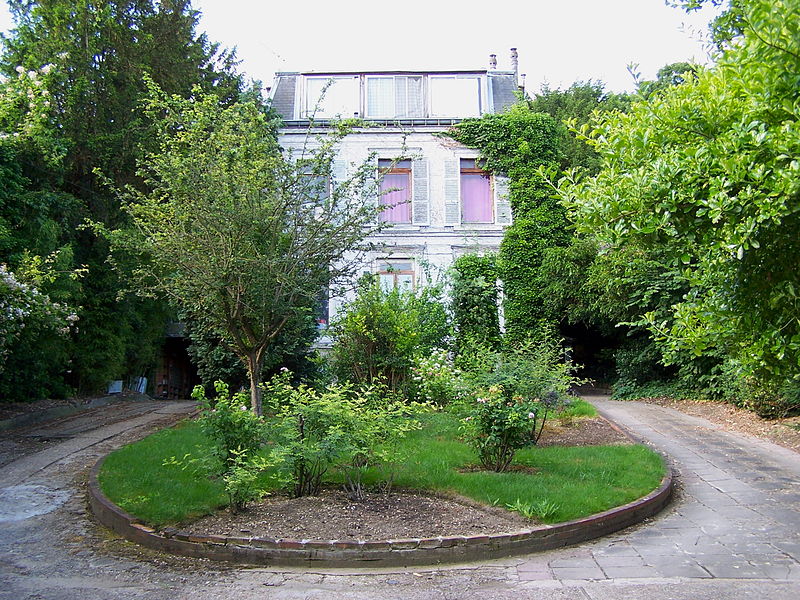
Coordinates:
(98,54)
(236,234)
(707,173)
(576,105)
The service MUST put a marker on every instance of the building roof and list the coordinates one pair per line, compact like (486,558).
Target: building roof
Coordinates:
(502,87)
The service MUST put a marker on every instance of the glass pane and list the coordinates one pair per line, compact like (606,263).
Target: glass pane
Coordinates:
(405,282)
(476,198)
(380,97)
(341,97)
(454,97)
(386,281)
(397,200)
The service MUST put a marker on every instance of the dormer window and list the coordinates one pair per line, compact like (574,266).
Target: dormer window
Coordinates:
(454,96)
(396,96)
(340,97)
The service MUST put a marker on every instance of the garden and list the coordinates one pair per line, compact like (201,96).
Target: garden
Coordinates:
(408,428)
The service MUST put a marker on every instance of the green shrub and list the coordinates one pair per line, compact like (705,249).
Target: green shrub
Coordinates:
(379,334)
(340,428)
(511,394)
(474,300)
(228,421)
(435,379)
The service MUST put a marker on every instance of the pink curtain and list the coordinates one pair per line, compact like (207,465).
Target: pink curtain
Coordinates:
(398,207)
(476,198)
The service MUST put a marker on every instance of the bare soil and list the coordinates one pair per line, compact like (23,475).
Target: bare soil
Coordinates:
(400,514)
(784,432)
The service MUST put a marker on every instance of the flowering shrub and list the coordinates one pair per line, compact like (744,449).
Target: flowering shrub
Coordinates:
(512,393)
(23,305)
(233,428)
(435,379)
(498,426)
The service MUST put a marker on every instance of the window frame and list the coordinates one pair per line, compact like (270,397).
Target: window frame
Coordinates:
(394,169)
(476,170)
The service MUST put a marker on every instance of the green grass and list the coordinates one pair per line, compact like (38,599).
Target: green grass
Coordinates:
(578,408)
(563,483)
(136,479)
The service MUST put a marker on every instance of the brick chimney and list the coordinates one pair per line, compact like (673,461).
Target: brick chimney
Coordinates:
(492,62)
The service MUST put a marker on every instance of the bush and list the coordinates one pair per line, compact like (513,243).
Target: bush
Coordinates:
(474,299)
(381,332)
(435,379)
(341,428)
(511,394)
(232,427)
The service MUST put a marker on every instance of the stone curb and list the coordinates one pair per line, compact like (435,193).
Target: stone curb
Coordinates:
(384,553)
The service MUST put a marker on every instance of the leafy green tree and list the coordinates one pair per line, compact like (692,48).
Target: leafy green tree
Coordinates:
(707,173)
(576,105)
(96,55)
(234,233)
(380,334)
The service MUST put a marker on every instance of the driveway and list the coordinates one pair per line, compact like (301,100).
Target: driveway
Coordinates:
(733,530)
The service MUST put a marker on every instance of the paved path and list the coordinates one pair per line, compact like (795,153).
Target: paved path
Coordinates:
(732,532)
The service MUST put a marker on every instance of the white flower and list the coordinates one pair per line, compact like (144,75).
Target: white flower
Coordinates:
(531,415)
(20,69)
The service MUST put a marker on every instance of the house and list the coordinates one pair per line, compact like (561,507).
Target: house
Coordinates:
(440,203)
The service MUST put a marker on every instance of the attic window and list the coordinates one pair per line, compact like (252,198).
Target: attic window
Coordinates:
(454,96)
(328,97)
(394,96)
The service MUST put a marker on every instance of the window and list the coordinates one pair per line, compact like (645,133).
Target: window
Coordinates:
(476,193)
(396,275)
(453,96)
(394,96)
(340,96)
(395,191)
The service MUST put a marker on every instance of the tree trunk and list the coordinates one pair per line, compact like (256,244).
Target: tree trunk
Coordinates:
(254,366)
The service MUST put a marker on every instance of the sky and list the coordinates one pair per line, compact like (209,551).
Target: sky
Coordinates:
(559,42)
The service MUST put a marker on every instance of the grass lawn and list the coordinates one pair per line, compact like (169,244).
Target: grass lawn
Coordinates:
(561,483)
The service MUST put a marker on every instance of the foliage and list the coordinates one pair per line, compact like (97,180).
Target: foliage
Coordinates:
(380,333)
(575,105)
(242,480)
(232,232)
(81,66)
(521,144)
(342,427)
(435,379)
(25,310)
(474,298)
(236,432)
(707,173)
(510,395)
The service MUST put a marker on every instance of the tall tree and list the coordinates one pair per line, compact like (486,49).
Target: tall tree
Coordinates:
(707,173)
(100,53)
(236,234)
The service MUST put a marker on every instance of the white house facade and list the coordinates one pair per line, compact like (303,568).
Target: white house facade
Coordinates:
(440,204)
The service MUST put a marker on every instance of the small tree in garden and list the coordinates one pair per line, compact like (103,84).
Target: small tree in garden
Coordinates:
(474,302)
(235,233)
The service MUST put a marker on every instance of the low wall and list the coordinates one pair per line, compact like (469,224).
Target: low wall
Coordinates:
(388,553)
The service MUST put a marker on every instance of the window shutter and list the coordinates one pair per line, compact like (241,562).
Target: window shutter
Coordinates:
(452,194)
(420,206)
(501,200)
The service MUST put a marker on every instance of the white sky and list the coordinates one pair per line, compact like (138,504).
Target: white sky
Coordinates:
(558,41)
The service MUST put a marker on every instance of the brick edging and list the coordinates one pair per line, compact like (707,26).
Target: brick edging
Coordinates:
(384,553)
